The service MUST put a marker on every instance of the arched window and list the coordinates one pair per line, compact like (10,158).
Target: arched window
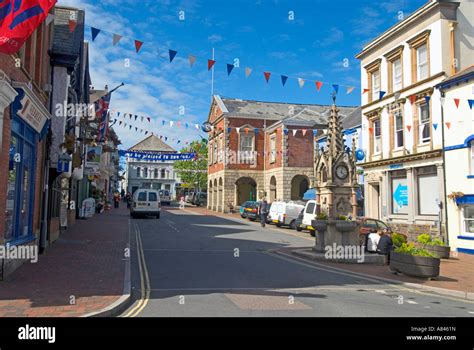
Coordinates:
(138,171)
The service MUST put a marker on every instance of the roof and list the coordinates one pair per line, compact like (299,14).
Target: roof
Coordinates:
(286,113)
(66,43)
(353,119)
(460,77)
(152,144)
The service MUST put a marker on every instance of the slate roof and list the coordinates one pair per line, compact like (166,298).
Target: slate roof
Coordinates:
(152,144)
(303,114)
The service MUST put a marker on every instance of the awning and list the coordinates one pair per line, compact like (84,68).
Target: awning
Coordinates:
(466,199)
(310,194)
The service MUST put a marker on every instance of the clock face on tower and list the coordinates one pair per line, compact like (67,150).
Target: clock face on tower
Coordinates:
(342,172)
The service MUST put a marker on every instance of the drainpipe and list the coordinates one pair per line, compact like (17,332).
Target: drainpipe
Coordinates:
(444,171)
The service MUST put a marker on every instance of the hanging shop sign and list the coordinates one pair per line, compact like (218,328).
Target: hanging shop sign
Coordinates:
(29,108)
(93,156)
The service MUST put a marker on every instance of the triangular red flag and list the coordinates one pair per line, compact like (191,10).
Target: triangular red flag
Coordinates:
(448,125)
(267,76)
(365,90)
(409,128)
(456,102)
(412,99)
(210,63)
(318,85)
(371,130)
(72,25)
(138,45)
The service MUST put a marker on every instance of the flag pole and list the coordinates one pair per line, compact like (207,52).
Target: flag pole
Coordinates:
(212,75)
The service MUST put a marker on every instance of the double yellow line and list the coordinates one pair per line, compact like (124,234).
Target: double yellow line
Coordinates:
(144,278)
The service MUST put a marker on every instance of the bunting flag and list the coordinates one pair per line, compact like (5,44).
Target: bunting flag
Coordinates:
(456,102)
(381,94)
(335,88)
(115,39)
(396,95)
(315,132)
(238,130)
(172,54)
(229,68)
(171,123)
(284,78)
(49,19)
(304,132)
(409,128)
(470,103)
(255,131)
(138,45)
(448,125)
(94,33)
(301,82)
(294,132)
(435,126)
(229,130)
(350,89)
(192,60)
(210,63)
(246,131)
(318,85)
(267,76)
(163,122)
(371,130)
(365,90)
(248,71)
(285,131)
(72,25)
(427,99)
(412,99)
(149,120)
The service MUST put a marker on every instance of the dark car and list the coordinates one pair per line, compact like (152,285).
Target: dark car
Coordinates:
(299,221)
(201,199)
(249,210)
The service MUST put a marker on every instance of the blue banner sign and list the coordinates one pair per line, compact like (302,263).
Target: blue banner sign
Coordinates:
(157,156)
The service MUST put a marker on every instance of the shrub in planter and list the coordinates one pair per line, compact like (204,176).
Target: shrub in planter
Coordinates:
(435,246)
(413,261)
(398,239)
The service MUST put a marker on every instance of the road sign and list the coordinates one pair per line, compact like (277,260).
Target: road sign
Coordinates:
(63,163)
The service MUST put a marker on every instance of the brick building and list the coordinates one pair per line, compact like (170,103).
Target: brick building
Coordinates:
(262,149)
(24,122)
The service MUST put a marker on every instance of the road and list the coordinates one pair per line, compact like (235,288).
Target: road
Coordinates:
(187,264)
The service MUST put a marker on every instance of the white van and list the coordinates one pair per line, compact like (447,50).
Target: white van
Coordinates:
(146,202)
(165,197)
(284,214)
(309,215)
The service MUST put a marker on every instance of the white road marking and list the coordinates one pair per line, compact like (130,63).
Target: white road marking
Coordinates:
(411,302)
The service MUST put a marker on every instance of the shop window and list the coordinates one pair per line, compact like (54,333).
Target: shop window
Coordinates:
(468,220)
(428,194)
(399,192)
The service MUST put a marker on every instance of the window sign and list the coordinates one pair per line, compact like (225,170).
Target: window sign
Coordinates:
(399,193)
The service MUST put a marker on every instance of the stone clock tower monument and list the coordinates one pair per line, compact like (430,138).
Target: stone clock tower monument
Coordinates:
(335,172)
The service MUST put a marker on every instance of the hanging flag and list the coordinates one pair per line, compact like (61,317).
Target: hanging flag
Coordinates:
(102,115)
(229,68)
(172,54)
(301,82)
(318,85)
(163,122)
(285,131)
(130,127)
(94,33)
(138,45)
(120,122)
(315,132)
(364,91)
(171,123)
(371,130)
(248,71)
(136,129)
(178,124)
(267,76)
(350,89)
(336,88)
(146,132)
(246,131)
(118,114)
(229,130)
(192,60)
(470,103)
(49,19)
(210,63)
(396,96)
(196,126)
(409,128)
(72,25)
(412,99)
(255,131)
(284,78)
(238,130)
(294,131)
(304,132)
(427,99)
(136,116)
(115,39)
(187,125)
(381,94)
(448,125)
(130,115)
(141,119)
(149,120)
(456,102)
(435,126)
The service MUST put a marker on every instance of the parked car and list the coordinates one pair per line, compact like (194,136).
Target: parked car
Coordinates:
(284,214)
(201,199)
(146,202)
(190,197)
(299,221)
(309,215)
(367,225)
(252,211)
(243,208)
(165,197)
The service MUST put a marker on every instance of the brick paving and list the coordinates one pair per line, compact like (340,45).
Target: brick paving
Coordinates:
(86,264)
(456,273)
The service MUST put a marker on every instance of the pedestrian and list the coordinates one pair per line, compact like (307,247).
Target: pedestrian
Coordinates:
(128,199)
(373,239)
(116,200)
(263,211)
(182,203)
(122,194)
(385,245)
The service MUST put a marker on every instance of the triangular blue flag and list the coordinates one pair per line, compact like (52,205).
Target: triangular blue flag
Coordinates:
(118,114)
(285,131)
(427,99)
(229,68)
(284,78)
(336,88)
(315,132)
(166,138)
(187,125)
(163,122)
(172,54)
(94,32)
(470,103)
(381,94)
(229,130)
(256,131)
(435,126)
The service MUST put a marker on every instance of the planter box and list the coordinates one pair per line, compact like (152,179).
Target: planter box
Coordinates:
(319,225)
(440,251)
(345,226)
(417,266)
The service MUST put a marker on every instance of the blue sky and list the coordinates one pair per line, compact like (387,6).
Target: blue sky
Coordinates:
(314,46)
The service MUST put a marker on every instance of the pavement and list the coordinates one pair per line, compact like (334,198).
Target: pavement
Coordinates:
(86,272)
(194,263)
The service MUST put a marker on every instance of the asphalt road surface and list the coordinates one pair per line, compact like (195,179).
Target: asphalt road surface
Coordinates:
(186,264)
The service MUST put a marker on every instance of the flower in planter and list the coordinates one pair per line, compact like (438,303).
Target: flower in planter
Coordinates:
(398,239)
(426,239)
(410,249)
(321,216)
(342,217)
